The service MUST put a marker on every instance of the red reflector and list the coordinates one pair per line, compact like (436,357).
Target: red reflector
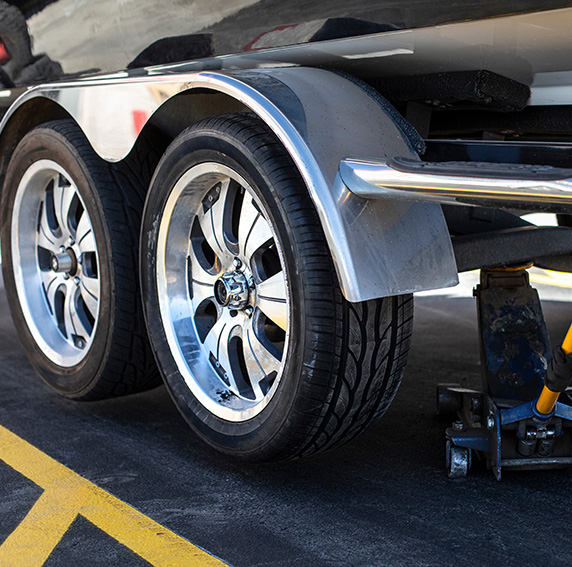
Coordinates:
(4,55)
(139,119)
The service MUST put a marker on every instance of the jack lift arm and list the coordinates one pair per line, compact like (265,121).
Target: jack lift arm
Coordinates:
(516,420)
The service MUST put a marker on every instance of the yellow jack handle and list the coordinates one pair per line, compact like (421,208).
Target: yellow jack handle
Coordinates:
(548,398)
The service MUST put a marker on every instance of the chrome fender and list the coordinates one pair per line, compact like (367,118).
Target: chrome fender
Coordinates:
(380,247)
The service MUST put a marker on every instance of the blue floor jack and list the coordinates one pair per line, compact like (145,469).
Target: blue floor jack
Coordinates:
(522,418)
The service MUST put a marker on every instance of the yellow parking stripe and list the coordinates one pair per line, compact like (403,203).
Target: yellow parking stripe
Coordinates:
(67,494)
(41,530)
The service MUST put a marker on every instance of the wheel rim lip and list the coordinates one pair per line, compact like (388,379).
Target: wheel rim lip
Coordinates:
(191,358)
(26,268)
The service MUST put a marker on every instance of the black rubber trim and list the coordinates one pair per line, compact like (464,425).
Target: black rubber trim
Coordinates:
(511,246)
(559,372)
(480,169)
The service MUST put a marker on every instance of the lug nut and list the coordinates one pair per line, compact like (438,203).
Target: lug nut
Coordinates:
(237,263)
(76,280)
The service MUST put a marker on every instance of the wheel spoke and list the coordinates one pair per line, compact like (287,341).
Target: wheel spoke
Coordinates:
(46,238)
(260,362)
(217,342)
(89,289)
(212,223)
(248,215)
(63,198)
(218,211)
(51,281)
(72,322)
(253,229)
(202,282)
(84,235)
(259,235)
(201,292)
(197,273)
(69,313)
(272,301)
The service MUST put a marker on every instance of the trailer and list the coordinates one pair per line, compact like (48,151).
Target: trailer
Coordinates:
(239,199)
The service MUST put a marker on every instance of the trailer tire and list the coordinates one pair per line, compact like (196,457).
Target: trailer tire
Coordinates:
(70,253)
(260,351)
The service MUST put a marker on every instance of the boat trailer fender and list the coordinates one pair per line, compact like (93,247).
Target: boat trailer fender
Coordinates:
(380,247)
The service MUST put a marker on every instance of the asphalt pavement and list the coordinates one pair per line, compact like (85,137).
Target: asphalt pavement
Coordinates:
(383,500)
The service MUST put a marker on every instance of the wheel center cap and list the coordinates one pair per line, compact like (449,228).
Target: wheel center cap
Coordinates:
(231,290)
(64,262)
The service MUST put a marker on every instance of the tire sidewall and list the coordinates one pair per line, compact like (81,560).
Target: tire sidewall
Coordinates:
(45,143)
(256,436)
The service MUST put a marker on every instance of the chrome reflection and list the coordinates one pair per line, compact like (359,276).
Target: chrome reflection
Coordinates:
(19,66)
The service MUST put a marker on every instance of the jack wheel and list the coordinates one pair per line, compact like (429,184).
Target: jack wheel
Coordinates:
(458,461)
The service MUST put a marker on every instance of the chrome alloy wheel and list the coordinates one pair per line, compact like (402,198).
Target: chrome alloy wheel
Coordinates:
(55,252)
(223,293)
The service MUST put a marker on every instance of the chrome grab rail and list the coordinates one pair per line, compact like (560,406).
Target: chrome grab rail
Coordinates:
(375,179)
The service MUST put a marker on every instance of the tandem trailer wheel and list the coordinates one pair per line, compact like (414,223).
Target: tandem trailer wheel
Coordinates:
(69,259)
(262,354)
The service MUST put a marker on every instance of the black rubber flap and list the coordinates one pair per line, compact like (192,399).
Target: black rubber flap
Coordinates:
(457,88)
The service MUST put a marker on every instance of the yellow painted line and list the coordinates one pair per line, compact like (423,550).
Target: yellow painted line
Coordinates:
(40,531)
(67,494)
